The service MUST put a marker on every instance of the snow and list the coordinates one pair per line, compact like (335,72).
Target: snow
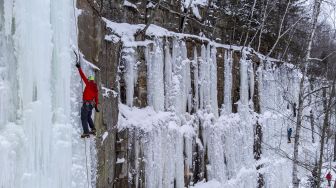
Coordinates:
(126,32)
(129,4)
(209,184)
(193,4)
(120,160)
(91,65)
(112,38)
(104,137)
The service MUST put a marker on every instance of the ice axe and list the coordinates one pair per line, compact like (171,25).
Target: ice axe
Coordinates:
(77,58)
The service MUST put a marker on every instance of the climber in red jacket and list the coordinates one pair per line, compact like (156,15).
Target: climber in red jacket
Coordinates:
(90,101)
(328,176)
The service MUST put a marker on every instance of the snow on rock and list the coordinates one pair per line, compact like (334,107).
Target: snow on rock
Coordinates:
(104,137)
(129,4)
(193,4)
(209,184)
(106,92)
(91,65)
(120,160)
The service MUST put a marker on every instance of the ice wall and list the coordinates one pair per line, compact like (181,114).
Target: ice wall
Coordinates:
(182,134)
(39,124)
(167,131)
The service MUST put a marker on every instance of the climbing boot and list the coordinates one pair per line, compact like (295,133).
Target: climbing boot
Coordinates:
(93,132)
(85,135)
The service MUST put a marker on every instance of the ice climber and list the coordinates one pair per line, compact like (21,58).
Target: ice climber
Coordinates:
(328,176)
(90,101)
(289,134)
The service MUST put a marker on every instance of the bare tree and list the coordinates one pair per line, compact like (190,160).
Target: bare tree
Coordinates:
(316,12)
(326,105)
(142,32)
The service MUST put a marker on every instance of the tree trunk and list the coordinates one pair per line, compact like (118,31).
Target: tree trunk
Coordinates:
(335,141)
(312,125)
(295,179)
(323,135)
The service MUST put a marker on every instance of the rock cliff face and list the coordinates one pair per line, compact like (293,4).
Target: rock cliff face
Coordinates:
(176,107)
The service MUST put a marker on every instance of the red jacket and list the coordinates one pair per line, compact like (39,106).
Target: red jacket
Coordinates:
(328,176)
(91,91)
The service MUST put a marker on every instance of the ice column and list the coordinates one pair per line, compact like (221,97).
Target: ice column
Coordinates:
(196,90)
(130,74)
(185,80)
(213,82)
(203,78)
(207,73)
(244,88)
(33,46)
(177,85)
(251,83)
(227,81)
(11,135)
(155,64)
(168,77)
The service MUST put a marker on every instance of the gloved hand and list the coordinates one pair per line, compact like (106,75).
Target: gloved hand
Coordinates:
(77,65)
(96,108)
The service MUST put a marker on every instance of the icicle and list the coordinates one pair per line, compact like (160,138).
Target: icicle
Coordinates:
(130,74)
(260,84)
(243,103)
(213,82)
(155,77)
(196,80)
(168,77)
(177,85)
(202,73)
(251,83)
(184,90)
(228,81)
(207,93)
(149,58)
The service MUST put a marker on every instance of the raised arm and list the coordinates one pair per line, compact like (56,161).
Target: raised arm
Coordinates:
(83,76)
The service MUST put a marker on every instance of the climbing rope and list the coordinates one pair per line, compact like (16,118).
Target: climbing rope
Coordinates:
(87,169)
(329,155)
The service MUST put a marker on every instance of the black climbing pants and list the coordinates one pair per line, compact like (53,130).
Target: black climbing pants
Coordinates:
(86,112)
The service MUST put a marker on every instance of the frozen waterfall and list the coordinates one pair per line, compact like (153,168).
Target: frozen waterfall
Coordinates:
(39,86)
